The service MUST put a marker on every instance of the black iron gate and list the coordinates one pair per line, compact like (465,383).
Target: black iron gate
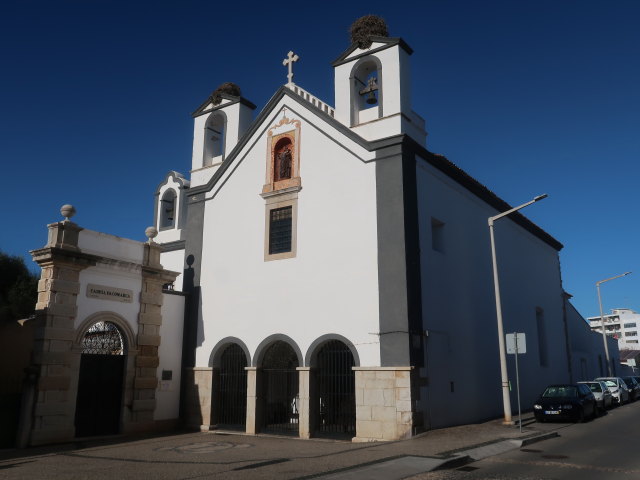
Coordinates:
(280,389)
(100,381)
(233,389)
(336,390)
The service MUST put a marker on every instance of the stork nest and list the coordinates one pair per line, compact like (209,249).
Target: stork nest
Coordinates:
(229,88)
(365,27)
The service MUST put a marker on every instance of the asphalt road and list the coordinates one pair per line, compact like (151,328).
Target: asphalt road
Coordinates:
(602,449)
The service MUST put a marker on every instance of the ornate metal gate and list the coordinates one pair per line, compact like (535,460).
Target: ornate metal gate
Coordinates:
(100,381)
(280,389)
(336,390)
(233,388)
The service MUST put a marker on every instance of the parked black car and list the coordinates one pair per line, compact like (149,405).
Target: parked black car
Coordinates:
(634,388)
(573,402)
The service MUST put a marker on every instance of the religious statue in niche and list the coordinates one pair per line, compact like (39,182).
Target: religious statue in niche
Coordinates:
(283,162)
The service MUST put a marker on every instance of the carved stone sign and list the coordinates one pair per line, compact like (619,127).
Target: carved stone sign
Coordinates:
(109,293)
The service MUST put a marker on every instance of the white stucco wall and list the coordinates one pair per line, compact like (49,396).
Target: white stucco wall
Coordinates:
(103,244)
(174,261)
(331,285)
(110,273)
(459,307)
(587,350)
(170,354)
(110,277)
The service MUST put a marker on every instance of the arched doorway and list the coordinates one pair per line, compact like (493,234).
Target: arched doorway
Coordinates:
(100,381)
(232,391)
(280,389)
(335,392)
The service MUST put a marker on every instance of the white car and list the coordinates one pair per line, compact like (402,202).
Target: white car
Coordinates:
(617,387)
(604,399)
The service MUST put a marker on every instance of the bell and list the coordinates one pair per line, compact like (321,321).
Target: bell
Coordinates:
(371,98)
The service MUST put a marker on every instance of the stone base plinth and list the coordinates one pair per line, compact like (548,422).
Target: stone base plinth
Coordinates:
(383,403)
(199,381)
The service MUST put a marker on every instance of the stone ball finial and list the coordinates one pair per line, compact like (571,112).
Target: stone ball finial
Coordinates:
(229,88)
(67,211)
(365,27)
(151,233)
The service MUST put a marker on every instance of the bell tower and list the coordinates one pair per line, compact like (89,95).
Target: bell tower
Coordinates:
(218,125)
(373,84)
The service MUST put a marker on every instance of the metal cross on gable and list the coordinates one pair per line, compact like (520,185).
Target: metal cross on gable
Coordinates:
(288,62)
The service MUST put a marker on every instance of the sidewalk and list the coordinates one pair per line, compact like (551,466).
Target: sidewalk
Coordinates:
(238,456)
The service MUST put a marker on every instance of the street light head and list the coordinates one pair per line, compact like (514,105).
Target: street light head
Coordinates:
(540,197)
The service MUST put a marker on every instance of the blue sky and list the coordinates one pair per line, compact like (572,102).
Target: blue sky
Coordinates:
(527,97)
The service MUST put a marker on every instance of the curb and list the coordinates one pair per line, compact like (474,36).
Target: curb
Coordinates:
(471,455)
(538,438)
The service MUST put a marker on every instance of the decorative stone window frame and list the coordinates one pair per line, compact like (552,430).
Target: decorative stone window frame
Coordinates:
(273,202)
(272,141)
(283,193)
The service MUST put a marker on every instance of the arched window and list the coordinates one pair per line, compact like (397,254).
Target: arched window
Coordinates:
(282,160)
(366,89)
(214,138)
(103,338)
(168,209)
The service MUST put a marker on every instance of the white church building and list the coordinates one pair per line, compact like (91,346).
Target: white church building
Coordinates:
(340,273)
(336,275)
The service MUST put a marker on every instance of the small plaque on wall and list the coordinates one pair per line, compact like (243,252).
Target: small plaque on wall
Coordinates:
(109,293)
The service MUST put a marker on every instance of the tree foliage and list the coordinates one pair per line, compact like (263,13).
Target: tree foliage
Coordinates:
(18,289)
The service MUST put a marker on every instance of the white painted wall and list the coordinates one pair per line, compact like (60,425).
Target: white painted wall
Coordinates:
(103,244)
(170,354)
(174,261)
(110,274)
(587,348)
(331,286)
(459,307)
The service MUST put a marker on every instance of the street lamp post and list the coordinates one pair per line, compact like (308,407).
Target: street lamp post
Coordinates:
(604,334)
(506,401)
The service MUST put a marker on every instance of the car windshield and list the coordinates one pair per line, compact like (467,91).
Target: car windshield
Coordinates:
(610,383)
(595,387)
(560,391)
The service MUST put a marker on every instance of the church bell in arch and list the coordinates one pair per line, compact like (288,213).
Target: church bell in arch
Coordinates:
(369,90)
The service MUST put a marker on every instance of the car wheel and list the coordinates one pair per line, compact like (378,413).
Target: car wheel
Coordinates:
(581,415)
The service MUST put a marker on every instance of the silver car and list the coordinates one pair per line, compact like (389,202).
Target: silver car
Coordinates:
(604,399)
(618,389)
